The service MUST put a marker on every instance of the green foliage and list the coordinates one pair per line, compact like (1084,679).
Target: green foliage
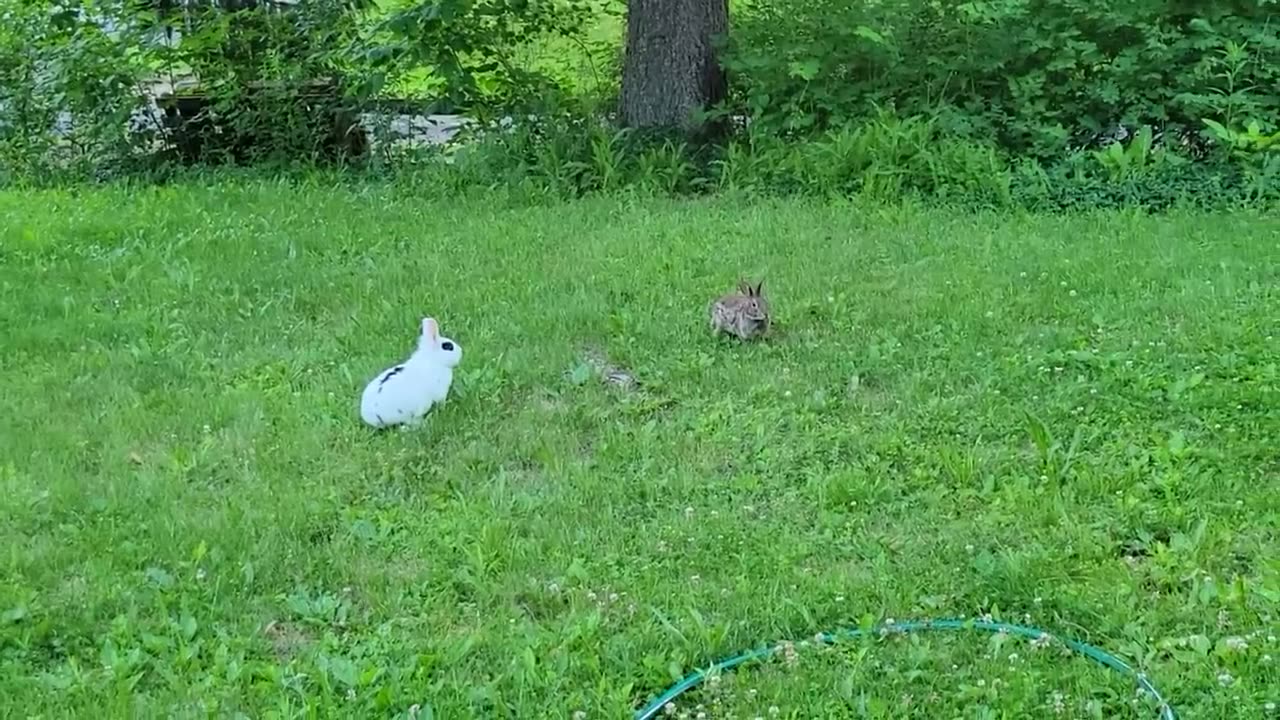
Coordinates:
(1250,143)
(60,66)
(570,154)
(1085,181)
(1033,103)
(1137,158)
(276,85)
(1255,150)
(470,47)
(586,63)
(1029,74)
(884,160)
(269,85)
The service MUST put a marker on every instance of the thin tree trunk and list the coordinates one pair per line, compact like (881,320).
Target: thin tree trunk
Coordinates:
(670,70)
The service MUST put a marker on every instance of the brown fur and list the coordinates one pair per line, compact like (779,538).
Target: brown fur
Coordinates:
(744,314)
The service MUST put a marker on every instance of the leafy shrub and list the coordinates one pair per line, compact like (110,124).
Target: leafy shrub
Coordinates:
(1078,184)
(75,79)
(1032,75)
(272,85)
(472,48)
(1141,173)
(884,158)
(1256,152)
(997,103)
(570,154)
(69,89)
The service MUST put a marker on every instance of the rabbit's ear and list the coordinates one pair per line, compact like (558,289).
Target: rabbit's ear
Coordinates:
(430,329)
(760,288)
(744,287)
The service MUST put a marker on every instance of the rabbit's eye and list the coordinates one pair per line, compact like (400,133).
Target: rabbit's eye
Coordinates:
(448,346)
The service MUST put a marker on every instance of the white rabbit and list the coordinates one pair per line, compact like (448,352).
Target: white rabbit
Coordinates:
(404,393)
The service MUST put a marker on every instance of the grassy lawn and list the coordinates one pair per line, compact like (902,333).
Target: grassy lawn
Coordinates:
(1070,422)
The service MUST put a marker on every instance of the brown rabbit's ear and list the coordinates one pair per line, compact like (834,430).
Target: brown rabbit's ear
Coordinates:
(759,288)
(744,287)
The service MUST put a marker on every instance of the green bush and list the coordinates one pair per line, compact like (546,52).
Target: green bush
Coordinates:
(1030,75)
(571,153)
(473,50)
(988,104)
(885,159)
(270,86)
(276,86)
(61,67)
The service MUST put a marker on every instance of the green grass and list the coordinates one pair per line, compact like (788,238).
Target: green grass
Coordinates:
(1070,422)
(995,672)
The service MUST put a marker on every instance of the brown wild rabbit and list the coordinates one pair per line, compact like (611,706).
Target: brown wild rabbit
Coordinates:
(744,314)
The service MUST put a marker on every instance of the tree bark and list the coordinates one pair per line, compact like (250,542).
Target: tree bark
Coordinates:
(670,70)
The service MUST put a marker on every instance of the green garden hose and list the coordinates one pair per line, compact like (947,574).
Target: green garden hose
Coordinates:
(1096,654)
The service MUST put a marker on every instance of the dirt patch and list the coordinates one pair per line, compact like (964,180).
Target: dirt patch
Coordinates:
(286,638)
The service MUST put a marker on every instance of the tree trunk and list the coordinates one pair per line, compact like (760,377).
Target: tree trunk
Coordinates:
(670,70)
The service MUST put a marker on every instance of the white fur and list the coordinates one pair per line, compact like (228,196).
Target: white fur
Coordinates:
(402,394)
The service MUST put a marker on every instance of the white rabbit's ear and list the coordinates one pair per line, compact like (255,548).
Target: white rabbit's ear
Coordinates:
(430,329)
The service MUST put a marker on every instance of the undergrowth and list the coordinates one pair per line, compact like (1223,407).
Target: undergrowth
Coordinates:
(1041,104)
(1034,77)
(886,159)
